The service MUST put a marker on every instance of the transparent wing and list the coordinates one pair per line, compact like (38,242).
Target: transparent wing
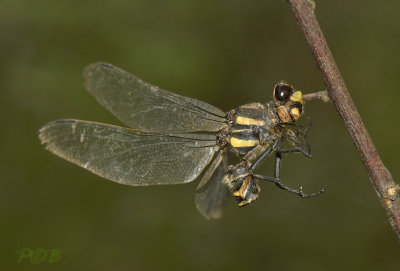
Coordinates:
(211,193)
(146,107)
(129,156)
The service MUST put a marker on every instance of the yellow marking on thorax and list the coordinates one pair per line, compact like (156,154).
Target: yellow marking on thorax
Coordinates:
(248,121)
(239,143)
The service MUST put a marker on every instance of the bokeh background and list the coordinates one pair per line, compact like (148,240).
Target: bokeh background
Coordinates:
(226,53)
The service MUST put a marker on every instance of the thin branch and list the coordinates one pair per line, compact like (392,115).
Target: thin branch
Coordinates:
(386,188)
(320,95)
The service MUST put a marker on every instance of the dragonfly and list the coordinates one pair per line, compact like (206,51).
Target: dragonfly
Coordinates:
(172,139)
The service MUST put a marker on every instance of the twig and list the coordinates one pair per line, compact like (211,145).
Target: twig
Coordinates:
(321,95)
(386,188)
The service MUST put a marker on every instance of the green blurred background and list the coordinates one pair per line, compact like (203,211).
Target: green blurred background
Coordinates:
(226,53)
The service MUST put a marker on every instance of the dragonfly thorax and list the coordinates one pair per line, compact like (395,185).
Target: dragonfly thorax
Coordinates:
(252,125)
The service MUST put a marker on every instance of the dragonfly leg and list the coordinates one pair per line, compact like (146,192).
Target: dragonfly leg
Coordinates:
(299,147)
(277,181)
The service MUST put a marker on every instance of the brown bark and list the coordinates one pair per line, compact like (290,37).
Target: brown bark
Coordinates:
(386,188)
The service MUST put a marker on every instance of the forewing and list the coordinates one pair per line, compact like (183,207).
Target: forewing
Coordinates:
(146,107)
(129,156)
(211,193)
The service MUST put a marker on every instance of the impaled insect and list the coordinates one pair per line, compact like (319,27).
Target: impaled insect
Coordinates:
(174,138)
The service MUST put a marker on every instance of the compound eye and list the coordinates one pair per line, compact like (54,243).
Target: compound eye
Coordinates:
(283,91)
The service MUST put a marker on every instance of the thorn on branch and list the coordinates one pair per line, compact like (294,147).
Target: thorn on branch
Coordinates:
(311,3)
(392,192)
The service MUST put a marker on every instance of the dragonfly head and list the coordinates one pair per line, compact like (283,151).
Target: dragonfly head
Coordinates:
(288,101)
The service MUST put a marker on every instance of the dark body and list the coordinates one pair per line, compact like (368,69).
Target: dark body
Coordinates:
(254,130)
(173,139)
(253,126)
